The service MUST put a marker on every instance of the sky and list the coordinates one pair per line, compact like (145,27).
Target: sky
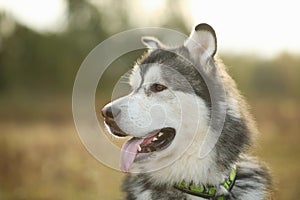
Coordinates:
(258,27)
(37,14)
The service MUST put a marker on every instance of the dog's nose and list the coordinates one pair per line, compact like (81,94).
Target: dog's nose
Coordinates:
(109,112)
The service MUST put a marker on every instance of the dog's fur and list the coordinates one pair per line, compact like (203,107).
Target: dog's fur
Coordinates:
(190,73)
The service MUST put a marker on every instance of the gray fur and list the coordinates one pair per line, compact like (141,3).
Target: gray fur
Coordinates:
(252,176)
(176,59)
(253,179)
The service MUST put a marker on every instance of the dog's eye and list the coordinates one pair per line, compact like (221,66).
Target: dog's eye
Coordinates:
(156,87)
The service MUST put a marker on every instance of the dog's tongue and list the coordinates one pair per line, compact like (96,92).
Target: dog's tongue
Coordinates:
(128,153)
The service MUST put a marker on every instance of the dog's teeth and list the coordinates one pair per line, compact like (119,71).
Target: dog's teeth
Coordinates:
(139,148)
(154,139)
(160,134)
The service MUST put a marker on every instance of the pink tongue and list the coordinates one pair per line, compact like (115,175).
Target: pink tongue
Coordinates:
(128,153)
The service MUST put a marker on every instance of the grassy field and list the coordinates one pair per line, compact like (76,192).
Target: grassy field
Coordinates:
(46,160)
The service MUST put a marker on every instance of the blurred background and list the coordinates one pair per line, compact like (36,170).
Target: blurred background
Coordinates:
(43,43)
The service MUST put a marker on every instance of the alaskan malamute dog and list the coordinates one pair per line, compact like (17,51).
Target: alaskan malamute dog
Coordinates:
(190,128)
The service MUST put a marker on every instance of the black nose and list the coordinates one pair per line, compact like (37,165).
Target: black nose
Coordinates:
(109,112)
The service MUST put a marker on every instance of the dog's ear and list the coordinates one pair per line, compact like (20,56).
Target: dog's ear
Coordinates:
(202,43)
(151,42)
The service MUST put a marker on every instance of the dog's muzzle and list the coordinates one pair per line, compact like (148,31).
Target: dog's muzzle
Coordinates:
(137,148)
(109,115)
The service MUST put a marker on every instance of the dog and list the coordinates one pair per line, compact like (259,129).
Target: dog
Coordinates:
(191,129)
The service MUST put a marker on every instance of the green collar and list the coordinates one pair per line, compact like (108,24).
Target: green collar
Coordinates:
(208,192)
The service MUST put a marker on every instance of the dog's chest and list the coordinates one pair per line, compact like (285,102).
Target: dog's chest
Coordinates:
(140,188)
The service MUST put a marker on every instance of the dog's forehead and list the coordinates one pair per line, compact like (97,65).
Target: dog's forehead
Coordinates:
(153,74)
(148,69)
(145,74)
(165,64)
(171,68)
(160,63)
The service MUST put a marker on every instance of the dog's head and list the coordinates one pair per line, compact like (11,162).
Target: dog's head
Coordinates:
(169,106)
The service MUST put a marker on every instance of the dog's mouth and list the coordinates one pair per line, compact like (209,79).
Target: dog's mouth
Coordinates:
(158,141)
(134,147)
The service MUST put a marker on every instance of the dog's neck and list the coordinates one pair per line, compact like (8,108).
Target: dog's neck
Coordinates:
(191,168)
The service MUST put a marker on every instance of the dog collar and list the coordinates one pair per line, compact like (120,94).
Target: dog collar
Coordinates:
(207,192)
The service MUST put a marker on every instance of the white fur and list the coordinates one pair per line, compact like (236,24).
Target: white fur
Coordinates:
(233,108)
(145,195)
(201,45)
(187,113)
(191,125)
(153,75)
(142,113)
(193,197)
(151,42)
(135,77)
